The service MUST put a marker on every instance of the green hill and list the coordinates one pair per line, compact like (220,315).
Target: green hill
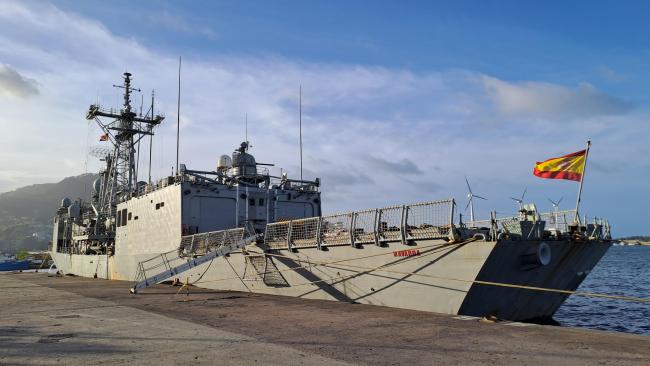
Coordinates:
(26,213)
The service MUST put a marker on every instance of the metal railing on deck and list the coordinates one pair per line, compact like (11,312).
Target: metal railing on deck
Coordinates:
(562,218)
(191,246)
(200,244)
(427,220)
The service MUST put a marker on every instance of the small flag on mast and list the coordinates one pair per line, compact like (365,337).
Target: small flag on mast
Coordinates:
(570,167)
(103,137)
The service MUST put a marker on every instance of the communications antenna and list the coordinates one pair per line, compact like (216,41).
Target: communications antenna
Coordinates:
(123,131)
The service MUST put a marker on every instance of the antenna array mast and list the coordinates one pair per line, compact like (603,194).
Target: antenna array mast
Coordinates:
(124,132)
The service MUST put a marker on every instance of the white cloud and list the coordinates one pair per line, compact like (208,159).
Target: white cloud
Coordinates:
(13,84)
(376,136)
(551,100)
(178,24)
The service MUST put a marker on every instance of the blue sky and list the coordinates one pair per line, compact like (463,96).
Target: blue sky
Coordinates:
(401,99)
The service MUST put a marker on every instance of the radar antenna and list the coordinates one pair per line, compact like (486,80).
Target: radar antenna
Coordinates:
(100,152)
(123,130)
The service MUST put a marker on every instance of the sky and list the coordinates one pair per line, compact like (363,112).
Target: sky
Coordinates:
(401,100)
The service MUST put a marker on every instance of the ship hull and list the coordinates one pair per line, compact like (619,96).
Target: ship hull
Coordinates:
(430,275)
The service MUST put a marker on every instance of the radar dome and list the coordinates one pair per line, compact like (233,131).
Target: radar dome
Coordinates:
(74,211)
(66,202)
(225,162)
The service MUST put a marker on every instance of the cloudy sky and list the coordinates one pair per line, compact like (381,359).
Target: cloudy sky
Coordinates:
(400,101)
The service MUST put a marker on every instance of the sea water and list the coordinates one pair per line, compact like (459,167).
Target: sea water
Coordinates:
(624,270)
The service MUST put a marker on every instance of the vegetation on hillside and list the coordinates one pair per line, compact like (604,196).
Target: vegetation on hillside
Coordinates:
(26,213)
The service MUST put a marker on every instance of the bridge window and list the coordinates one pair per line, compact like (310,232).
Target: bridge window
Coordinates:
(130,216)
(251,201)
(261,202)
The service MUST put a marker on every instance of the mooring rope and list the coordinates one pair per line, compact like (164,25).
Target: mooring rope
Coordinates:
(382,268)
(314,264)
(488,283)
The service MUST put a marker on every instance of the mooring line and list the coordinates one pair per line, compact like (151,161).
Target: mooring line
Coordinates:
(491,283)
(315,264)
(381,269)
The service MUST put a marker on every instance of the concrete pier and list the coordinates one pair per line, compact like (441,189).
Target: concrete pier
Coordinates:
(80,321)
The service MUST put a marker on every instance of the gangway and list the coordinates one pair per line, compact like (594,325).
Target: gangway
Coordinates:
(207,246)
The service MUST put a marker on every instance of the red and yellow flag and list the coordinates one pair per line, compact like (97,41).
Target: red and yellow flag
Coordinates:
(568,167)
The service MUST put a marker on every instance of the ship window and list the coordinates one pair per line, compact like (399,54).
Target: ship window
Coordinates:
(162,204)
(157,206)
(130,213)
(124,217)
(251,201)
(261,202)
(119,220)
(135,218)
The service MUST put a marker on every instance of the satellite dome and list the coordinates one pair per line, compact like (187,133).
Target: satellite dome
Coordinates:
(225,162)
(74,211)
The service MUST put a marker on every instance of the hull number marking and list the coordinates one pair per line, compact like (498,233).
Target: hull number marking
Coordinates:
(406,253)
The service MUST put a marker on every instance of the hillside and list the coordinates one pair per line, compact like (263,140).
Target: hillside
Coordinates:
(26,213)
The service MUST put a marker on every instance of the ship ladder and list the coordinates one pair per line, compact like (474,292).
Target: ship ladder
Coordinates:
(142,281)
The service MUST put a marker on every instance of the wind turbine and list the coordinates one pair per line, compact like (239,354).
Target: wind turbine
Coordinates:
(470,203)
(520,201)
(556,208)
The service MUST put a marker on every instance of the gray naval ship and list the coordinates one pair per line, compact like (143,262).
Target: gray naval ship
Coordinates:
(240,228)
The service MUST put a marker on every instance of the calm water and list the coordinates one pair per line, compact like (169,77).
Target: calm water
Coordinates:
(622,271)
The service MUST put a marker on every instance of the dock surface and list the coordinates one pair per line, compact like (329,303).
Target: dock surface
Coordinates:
(80,321)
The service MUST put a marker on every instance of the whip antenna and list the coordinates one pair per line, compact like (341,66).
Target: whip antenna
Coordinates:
(178,113)
(300,130)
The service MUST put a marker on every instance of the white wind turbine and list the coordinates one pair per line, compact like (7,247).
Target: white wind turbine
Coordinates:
(520,201)
(470,203)
(556,208)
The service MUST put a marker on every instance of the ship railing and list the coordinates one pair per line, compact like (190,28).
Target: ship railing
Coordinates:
(405,223)
(263,171)
(191,246)
(554,220)
(560,219)
(202,243)
(173,263)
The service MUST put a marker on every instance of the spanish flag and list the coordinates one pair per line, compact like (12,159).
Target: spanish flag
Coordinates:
(570,167)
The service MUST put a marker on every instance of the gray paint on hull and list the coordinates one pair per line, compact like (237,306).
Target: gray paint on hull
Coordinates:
(570,263)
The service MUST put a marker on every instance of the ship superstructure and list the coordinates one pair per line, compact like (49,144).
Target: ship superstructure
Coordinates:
(240,228)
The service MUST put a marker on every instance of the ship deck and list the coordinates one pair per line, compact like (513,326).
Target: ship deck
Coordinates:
(80,321)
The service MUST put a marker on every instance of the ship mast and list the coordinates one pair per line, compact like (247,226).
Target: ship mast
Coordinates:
(123,130)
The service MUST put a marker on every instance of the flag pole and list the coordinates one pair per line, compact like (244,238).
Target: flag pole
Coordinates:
(582,179)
